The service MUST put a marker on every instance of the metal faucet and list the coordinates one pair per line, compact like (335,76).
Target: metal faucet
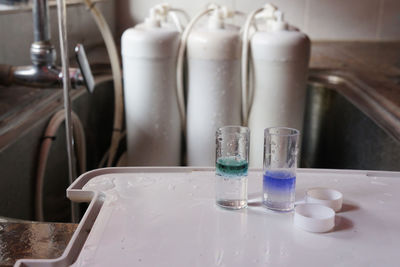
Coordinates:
(43,72)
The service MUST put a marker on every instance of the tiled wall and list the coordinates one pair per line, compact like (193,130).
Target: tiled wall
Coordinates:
(320,19)
(16,31)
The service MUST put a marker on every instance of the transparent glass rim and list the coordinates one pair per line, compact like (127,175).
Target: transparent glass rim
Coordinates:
(286,131)
(232,129)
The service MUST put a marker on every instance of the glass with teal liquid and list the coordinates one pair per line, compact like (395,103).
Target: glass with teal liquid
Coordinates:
(231,164)
(280,162)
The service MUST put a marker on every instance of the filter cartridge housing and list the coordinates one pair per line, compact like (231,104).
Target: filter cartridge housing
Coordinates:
(279,67)
(214,96)
(153,126)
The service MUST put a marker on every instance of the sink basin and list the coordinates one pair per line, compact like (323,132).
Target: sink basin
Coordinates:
(22,125)
(345,129)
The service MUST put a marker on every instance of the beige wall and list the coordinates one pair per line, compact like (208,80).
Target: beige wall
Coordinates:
(320,19)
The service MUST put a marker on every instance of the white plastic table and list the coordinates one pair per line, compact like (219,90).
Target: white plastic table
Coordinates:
(168,217)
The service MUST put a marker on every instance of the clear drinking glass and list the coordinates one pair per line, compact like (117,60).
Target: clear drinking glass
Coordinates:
(280,162)
(231,163)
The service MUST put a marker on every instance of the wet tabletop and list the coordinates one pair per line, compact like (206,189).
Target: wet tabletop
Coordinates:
(170,219)
(33,240)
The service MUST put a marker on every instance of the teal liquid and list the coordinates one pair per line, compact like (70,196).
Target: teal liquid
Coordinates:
(231,167)
(231,183)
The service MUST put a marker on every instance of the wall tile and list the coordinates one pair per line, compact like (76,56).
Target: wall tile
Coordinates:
(342,19)
(16,38)
(293,10)
(131,12)
(193,7)
(390,21)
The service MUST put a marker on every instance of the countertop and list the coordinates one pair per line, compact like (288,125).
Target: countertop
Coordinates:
(378,64)
(32,240)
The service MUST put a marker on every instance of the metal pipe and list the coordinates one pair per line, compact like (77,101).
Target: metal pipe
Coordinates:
(41,27)
(62,26)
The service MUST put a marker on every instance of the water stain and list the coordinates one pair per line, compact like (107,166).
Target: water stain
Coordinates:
(378,183)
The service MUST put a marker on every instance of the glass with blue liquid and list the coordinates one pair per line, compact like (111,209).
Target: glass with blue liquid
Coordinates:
(231,163)
(279,172)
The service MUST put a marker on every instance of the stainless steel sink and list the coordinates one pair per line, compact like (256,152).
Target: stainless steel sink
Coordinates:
(22,124)
(344,127)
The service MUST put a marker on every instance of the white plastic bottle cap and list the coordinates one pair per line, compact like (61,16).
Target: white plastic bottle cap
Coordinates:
(314,218)
(325,196)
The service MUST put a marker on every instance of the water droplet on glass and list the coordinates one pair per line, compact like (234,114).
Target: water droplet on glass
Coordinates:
(171,187)
(219,257)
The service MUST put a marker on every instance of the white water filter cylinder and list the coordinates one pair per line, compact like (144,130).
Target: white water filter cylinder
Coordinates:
(153,124)
(213,86)
(279,59)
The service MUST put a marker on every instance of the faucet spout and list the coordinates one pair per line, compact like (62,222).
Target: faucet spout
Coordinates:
(43,72)
(37,76)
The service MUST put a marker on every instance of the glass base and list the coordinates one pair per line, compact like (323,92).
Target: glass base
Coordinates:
(279,206)
(232,204)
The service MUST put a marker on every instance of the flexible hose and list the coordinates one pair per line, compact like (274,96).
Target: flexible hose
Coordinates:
(247,91)
(245,65)
(62,27)
(183,12)
(105,156)
(80,141)
(179,65)
(176,21)
(172,13)
(117,77)
(48,138)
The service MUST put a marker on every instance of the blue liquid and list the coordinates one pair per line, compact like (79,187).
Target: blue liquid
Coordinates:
(279,190)
(279,180)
